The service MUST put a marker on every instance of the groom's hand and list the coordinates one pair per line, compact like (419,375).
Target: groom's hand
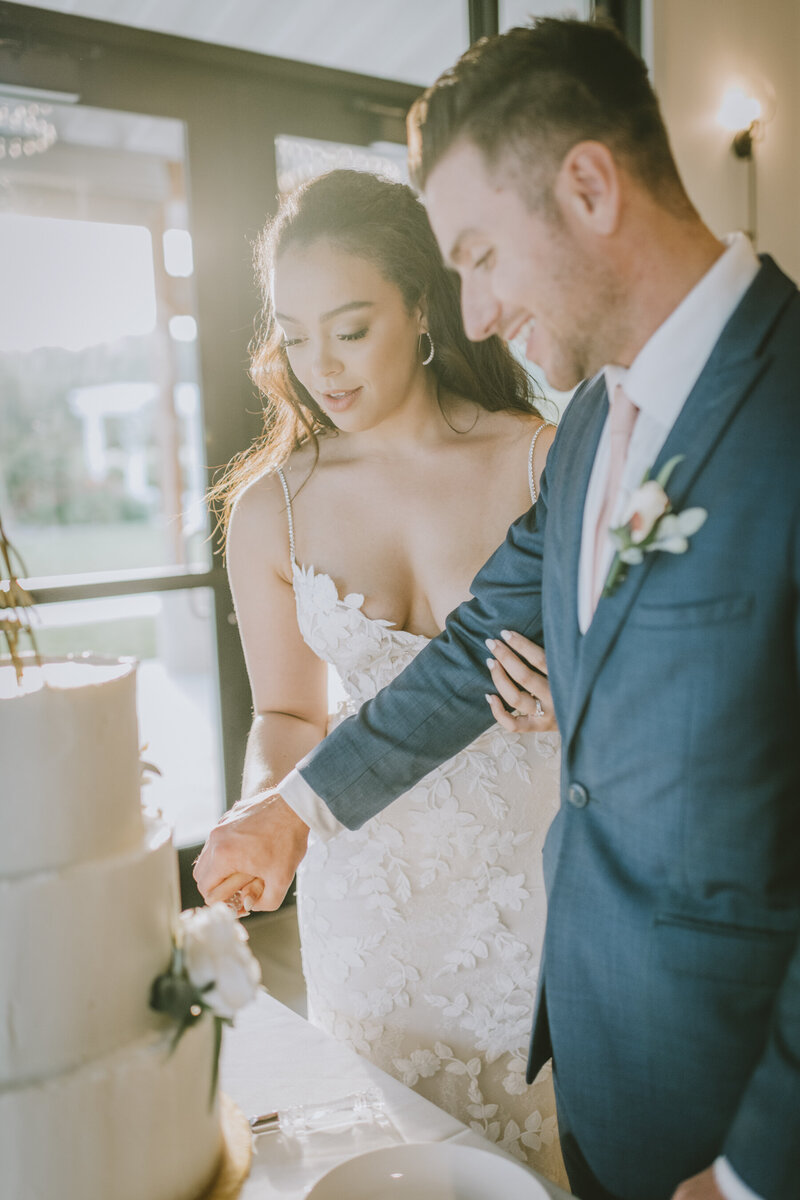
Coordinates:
(699,1187)
(252,855)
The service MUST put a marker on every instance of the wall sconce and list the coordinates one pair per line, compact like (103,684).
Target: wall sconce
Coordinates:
(744,115)
(740,114)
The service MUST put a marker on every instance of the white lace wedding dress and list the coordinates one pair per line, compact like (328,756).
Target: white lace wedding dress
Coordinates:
(421,931)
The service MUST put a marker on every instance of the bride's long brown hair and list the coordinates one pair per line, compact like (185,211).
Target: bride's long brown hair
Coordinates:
(386,224)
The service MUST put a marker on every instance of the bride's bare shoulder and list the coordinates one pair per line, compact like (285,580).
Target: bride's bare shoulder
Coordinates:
(259,519)
(256,535)
(259,516)
(258,500)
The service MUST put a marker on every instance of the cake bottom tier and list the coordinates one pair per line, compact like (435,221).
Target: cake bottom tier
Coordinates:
(135,1125)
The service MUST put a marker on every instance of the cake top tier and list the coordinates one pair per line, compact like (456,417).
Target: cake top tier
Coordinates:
(61,673)
(69,746)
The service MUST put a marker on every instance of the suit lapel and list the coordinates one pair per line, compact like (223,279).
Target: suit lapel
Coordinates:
(729,375)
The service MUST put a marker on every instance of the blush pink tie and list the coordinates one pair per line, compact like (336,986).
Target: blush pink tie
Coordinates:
(621,421)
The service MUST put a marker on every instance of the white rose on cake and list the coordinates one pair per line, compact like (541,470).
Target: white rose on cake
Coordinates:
(212,970)
(216,953)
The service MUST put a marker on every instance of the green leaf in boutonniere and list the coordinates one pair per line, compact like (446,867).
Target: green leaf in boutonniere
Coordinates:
(650,525)
(663,476)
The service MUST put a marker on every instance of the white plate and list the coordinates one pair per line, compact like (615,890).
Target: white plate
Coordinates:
(428,1171)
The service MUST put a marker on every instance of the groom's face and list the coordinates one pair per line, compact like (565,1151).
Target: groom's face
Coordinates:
(523,275)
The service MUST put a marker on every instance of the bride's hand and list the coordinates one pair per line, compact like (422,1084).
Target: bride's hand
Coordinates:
(519,672)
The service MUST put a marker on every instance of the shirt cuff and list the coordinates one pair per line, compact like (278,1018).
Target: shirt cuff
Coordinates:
(308,806)
(729,1183)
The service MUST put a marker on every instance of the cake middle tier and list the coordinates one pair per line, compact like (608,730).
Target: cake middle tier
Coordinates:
(80,948)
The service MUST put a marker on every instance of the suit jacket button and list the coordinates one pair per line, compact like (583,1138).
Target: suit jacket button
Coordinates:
(578,795)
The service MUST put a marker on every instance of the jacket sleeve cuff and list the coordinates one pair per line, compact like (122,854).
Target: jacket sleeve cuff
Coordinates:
(729,1183)
(308,806)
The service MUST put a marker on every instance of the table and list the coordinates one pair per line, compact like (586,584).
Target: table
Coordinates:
(273,1058)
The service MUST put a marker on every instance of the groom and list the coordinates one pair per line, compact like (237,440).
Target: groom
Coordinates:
(670,987)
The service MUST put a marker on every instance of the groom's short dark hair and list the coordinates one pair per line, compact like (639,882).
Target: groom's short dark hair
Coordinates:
(530,94)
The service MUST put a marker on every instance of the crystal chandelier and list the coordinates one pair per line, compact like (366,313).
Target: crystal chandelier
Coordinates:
(25,129)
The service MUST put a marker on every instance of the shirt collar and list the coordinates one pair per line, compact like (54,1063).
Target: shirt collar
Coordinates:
(667,367)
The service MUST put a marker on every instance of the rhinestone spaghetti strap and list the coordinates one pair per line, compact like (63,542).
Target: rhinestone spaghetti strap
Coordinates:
(531,479)
(289,515)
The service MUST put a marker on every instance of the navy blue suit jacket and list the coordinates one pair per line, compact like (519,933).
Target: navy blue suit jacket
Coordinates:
(670,989)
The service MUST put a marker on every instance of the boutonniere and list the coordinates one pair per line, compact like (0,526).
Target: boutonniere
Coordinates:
(650,524)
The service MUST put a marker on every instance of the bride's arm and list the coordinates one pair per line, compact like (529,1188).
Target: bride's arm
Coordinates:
(287,680)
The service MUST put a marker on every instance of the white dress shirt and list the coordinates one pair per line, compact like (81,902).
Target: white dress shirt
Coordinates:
(658,381)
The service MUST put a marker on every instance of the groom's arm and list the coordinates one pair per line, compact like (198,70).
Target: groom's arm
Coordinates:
(437,705)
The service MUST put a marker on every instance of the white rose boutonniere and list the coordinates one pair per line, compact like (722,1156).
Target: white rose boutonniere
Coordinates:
(212,970)
(650,524)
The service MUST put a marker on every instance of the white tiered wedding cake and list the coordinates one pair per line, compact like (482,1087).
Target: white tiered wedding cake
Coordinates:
(93,1106)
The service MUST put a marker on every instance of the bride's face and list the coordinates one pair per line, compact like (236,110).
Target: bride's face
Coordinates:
(349,337)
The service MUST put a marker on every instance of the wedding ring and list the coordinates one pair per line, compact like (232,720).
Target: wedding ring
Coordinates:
(237,901)
(539,709)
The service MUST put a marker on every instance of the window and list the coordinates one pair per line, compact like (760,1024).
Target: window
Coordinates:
(102,457)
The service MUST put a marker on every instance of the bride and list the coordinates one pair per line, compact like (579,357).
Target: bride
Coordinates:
(395,454)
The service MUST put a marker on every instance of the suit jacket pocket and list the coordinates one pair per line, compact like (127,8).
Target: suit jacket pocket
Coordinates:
(734,953)
(699,612)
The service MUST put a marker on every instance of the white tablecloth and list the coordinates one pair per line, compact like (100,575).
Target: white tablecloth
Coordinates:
(273,1058)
